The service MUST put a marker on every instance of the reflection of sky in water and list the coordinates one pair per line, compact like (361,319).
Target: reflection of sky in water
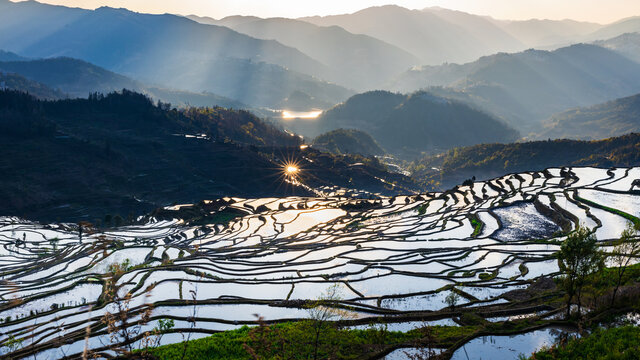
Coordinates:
(506,347)
(626,202)
(523,221)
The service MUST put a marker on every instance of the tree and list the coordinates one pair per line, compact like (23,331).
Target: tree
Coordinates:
(624,249)
(578,258)
(322,315)
(452,299)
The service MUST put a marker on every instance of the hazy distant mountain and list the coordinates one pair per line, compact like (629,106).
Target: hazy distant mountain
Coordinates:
(77,78)
(628,25)
(625,44)
(348,141)
(229,21)
(164,49)
(614,118)
(11,81)
(545,33)
(438,35)
(528,87)
(356,61)
(434,35)
(410,124)
(9,56)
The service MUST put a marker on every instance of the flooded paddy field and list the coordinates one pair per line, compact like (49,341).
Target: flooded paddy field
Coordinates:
(394,260)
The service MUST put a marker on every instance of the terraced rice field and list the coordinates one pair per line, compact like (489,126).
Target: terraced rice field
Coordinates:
(395,258)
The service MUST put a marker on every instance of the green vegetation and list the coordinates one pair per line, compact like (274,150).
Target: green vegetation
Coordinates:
(614,118)
(285,341)
(579,258)
(412,124)
(295,340)
(619,343)
(490,160)
(487,276)
(631,218)
(477,225)
(624,251)
(452,299)
(123,154)
(348,141)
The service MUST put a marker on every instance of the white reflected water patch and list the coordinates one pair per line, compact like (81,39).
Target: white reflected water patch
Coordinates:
(394,256)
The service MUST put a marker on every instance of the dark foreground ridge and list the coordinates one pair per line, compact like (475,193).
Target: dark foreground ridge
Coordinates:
(82,159)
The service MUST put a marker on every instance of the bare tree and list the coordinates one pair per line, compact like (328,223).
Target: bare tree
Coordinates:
(323,312)
(624,250)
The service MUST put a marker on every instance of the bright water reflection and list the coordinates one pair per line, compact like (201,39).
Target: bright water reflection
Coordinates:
(508,347)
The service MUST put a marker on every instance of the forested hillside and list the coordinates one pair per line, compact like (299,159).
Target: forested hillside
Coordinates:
(348,141)
(410,124)
(121,153)
(490,160)
(614,118)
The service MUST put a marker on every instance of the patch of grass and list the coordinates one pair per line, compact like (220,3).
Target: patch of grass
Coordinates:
(633,219)
(488,276)
(608,344)
(524,270)
(291,341)
(477,225)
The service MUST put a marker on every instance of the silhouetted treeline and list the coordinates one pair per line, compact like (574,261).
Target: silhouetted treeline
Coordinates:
(128,110)
(489,160)
(22,115)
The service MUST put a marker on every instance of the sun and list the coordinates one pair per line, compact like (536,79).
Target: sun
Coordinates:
(291,172)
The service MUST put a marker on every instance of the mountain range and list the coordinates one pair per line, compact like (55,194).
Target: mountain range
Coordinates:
(358,61)
(528,87)
(167,50)
(407,125)
(67,77)
(434,36)
(262,62)
(627,44)
(613,118)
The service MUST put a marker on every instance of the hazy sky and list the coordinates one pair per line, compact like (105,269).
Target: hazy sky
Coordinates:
(603,11)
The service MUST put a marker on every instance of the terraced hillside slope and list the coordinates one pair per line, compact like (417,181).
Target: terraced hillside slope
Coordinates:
(209,266)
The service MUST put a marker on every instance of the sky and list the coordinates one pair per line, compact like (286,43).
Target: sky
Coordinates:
(601,11)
